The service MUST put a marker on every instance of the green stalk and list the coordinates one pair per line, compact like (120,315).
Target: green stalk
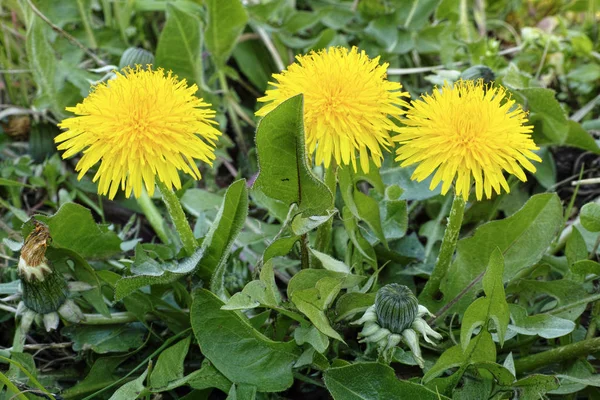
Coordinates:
(431,289)
(323,240)
(86,24)
(153,216)
(558,355)
(178,217)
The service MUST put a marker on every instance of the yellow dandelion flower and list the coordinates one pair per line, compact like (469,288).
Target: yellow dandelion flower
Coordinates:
(142,124)
(347,101)
(467,130)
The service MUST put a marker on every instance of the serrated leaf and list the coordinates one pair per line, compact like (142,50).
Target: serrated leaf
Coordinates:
(545,325)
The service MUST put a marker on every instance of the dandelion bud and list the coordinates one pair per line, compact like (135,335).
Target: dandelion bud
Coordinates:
(396,316)
(478,72)
(135,56)
(44,289)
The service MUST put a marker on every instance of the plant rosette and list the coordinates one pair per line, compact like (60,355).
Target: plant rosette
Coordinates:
(396,316)
(45,292)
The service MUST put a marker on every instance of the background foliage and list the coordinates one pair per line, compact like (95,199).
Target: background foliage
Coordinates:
(239,318)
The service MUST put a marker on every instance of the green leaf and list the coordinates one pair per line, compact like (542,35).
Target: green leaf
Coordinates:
(43,63)
(151,272)
(535,386)
(208,377)
(480,349)
(352,303)
(523,238)
(284,171)
(331,263)
(491,307)
(584,267)
(100,376)
(226,22)
(545,325)
(313,336)
(131,390)
(368,381)
(576,248)
(543,105)
(363,207)
(580,138)
(180,45)
(225,229)
(74,228)
(169,366)
(590,217)
(237,350)
(214,250)
(313,302)
(256,293)
(570,296)
(106,338)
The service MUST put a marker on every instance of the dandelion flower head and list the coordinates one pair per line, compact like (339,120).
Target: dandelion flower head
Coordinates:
(143,124)
(463,132)
(347,104)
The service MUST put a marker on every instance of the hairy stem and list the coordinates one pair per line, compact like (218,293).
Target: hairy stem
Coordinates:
(153,216)
(178,217)
(431,289)
(557,355)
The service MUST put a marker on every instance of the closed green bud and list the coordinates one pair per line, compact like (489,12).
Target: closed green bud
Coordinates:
(135,56)
(396,307)
(477,72)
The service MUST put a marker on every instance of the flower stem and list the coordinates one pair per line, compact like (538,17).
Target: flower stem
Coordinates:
(431,289)
(178,217)
(557,355)
(323,240)
(153,216)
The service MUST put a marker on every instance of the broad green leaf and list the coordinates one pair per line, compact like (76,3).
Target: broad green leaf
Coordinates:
(242,392)
(74,228)
(226,22)
(570,296)
(313,302)
(308,278)
(590,217)
(237,350)
(368,381)
(481,348)
(543,106)
(394,214)
(501,374)
(584,267)
(523,238)
(284,171)
(169,366)
(106,338)
(280,247)
(545,325)
(255,62)
(180,45)
(131,390)
(491,307)
(197,201)
(413,190)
